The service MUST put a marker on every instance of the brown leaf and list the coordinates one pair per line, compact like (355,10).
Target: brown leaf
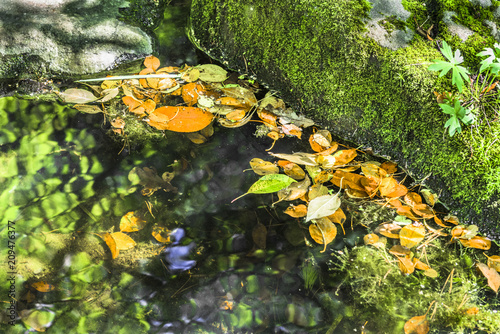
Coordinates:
(294,171)
(262,167)
(180,119)
(389,167)
(344,156)
(389,230)
(259,235)
(412,199)
(347,180)
(492,276)
(423,210)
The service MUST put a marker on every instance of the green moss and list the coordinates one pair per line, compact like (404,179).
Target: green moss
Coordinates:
(317,57)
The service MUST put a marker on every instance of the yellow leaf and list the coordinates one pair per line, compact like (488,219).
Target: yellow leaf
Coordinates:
(131,223)
(110,241)
(262,167)
(417,325)
(161,234)
(412,234)
(323,231)
(477,242)
(491,274)
(296,211)
(123,241)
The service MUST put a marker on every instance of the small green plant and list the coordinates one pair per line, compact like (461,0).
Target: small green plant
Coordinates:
(457,113)
(459,73)
(492,63)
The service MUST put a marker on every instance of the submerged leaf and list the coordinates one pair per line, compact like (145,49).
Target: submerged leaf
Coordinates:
(130,222)
(417,325)
(491,274)
(123,241)
(323,231)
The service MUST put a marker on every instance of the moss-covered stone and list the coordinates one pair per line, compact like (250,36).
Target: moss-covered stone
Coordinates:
(319,55)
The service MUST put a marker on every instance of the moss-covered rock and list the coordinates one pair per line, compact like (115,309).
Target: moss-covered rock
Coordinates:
(361,68)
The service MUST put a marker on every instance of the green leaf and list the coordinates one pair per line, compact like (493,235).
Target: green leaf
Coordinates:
(447,109)
(447,52)
(268,184)
(440,65)
(322,206)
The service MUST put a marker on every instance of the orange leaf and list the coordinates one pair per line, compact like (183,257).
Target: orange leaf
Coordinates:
(389,167)
(231,101)
(144,82)
(268,117)
(294,171)
(152,62)
(451,219)
(344,156)
(477,242)
(400,251)
(389,187)
(420,265)
(417,325)
(323,231)
(43,286)
(161,234)
(131,223)
(370,239)
(389,230)
(370,184)
(292,130)
(405,265)
(191,92)
(180,119)
(494,262)
(348,180)
(322,177)
(262,167)
(491,274)
(122,241)
(405,210)
(236,115)
(296,211)
(329,150)
(108,239)
(439,222)
(423,210)
(412,199)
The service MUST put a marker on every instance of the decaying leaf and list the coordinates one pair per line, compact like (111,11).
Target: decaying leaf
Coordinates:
(298,158)
(494,262)
(42,286)
(259,236)
(323,231)
(149,179)
(89,109)
(477,242)
(430,197)
(211,73)
(370,239)
(295,190)
(76,95)
(293,170)
(491,275)
(389,230)
(389,166)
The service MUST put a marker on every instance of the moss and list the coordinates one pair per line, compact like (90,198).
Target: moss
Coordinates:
(317,58)
(378,289)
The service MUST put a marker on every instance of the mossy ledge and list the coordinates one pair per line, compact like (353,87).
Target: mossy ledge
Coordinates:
(319,56)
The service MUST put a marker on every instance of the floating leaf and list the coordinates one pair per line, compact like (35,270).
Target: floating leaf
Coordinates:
(412,234)
(430,197)
(492,276)
(131,223)
(317,190)
(412,199)
(262,167)
(152,62)
(43,286)
(268,184)
(323,231)
(161,234)
(423,210)
(347,180)
(211,73)
(389,187)
(295,190)
(345,156)
(494,262)
(296,211)
(294,171)
(123,241)
(108,94)
(180,119)
(477,242)
(322,206)
(389,230)
(389,167)
(76,95)
(338,217)
(372,169)
(405,265)
(417,325)
(298,158)
(150,180)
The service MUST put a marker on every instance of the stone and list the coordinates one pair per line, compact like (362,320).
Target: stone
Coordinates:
(360,69)
(67,39)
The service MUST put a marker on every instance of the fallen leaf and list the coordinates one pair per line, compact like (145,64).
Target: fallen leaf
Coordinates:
(294,171)
(417,325)
(298,158)
(211,73)
(389,230)
(490,274)
(400,251)
(180,119)
(344,156)
(316,191)
(152,62)
(268,184)
(131,223)
(347,180)
(323,231)
(191,93)
(123,241)
(477,242)
(389,167)
(370,239)
(322,206)
(110,241)
(423,210)
(76,95)
(412,234)
(295,190)
(259,236)
(412,199)
(430,197)
(89,109)
(161,234)
(405,265)
(420,265)
(494,262)
(296,211)
(262,167)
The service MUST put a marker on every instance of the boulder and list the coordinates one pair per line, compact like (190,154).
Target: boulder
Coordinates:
(361,68)
(67,39)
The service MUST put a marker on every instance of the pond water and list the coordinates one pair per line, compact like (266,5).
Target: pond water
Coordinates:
(242,267)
